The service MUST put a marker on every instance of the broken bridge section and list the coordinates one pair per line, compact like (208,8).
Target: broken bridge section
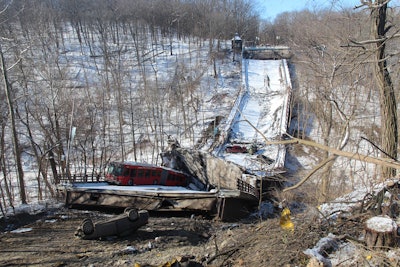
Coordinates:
(236,197)
(217,187)
(210,171)
(259,114)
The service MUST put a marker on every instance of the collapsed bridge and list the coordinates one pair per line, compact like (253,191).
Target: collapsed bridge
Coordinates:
(225,184)
(216,188)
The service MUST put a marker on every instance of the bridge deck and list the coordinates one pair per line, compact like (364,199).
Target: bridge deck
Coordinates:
(159,198)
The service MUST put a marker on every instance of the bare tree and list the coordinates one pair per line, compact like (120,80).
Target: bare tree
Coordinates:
(389,137)
(6,192)
(15,139)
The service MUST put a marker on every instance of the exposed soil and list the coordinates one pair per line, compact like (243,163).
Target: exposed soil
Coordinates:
(50,241)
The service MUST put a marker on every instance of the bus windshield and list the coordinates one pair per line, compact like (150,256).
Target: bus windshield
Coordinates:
(115,169)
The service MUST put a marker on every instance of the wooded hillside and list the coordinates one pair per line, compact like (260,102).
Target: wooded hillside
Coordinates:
(90,76)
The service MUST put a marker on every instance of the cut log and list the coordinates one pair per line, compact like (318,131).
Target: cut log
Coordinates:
(381,232)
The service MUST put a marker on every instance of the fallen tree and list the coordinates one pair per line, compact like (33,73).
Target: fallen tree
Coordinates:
(335,152)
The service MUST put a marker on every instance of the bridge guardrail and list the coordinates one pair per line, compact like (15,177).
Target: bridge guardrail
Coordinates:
(248,188)
(85,178)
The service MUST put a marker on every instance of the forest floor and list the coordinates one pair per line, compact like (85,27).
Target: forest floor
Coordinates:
(48,239)
(182,239)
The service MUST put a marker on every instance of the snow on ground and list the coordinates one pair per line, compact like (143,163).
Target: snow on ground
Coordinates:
(34,207)
(351,201)
(323,245)
(21,230)
(345,253)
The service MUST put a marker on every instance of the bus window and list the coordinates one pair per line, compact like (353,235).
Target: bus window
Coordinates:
(154,173)
(147,173)
(133,172)
(140,173)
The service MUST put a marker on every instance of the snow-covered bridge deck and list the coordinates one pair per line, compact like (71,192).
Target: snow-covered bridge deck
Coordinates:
(263,104)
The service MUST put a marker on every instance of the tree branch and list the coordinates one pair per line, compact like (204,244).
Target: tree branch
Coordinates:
(319,166)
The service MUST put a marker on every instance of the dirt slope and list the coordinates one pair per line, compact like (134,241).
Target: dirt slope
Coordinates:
(52,242)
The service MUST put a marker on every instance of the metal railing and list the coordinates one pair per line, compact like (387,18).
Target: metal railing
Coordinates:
(248,188)
(80,178)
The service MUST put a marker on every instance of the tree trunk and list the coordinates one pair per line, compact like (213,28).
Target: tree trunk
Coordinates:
(53,166)
(380,232)
(3,168)
(17,151)
(388,104)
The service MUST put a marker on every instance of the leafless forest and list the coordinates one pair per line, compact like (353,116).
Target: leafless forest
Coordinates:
(78,75)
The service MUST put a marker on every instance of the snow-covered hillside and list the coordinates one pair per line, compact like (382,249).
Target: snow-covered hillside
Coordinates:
(123,100)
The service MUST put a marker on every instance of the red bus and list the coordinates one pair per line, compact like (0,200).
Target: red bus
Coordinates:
(133,173)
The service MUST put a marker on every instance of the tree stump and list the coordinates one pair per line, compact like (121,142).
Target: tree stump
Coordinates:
(380,232)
